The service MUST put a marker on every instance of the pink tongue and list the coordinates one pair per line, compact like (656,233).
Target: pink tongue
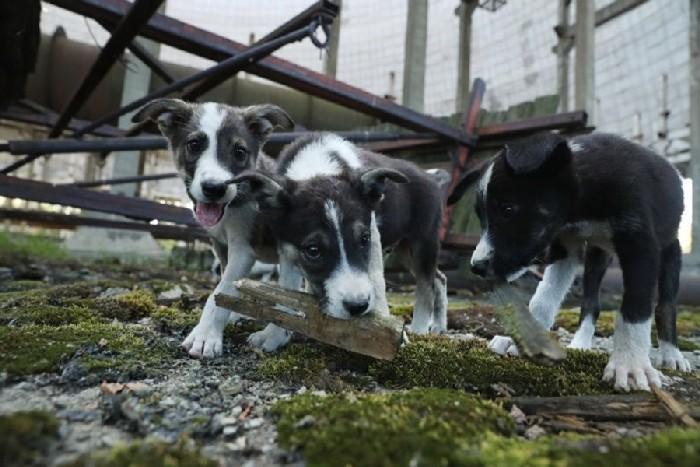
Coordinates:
(208,214)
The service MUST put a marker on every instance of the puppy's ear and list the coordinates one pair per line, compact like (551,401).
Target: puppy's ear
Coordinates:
(167,113)
(464,183)
(543,153)
(372,183)
(268,192)
(263,119)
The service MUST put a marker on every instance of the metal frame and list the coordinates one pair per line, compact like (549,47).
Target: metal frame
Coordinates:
(139,17)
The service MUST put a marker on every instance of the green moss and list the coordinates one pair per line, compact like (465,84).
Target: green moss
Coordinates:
(15,247)
(316,365)
(131,306)
(26,436)
(422,426)
(58,295)
(670,447)
(436,361)
(46,314)
(106,349)
(174,319)
(22,285)
(146,454)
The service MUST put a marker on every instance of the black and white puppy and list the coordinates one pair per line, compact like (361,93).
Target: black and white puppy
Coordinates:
(333,206)
(212,143)
(603,193)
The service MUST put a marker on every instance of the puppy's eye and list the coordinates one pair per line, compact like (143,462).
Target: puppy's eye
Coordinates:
(312,252)
(365,238)
(196,145)
(240,154)
(507,209)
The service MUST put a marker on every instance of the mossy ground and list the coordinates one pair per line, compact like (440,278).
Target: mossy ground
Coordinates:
(446,427)
(428,426)
(146,454)
(441,362)
(26,436)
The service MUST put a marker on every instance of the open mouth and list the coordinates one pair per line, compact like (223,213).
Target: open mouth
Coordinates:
(209,214)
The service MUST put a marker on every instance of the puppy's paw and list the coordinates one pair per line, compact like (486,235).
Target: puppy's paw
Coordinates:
(580,341)
(270,339)
(630,372)
(671,357)
(504,345)
(437,328)
(204,342)
(419,328)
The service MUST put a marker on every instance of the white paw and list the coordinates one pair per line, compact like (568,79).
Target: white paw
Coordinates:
(437,328)
(419,328)
(204,342)
(671,357)
(580,341)
(270,339)
(503,345)
(631,372)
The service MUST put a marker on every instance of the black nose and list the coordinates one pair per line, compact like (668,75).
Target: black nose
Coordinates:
(356,308)
(214,190)
(480,268)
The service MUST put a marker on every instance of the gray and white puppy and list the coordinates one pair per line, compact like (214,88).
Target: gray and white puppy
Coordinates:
(333,207)
(212,143)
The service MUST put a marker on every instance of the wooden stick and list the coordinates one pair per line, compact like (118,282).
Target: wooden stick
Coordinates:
(673,407)
(377,336)
(607,407)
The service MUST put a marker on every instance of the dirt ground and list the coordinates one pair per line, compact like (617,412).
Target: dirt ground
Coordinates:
(91,373)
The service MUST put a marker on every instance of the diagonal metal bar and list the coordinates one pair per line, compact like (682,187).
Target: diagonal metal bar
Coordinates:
(226,66)
(124,32)
(185,37)
(145,56)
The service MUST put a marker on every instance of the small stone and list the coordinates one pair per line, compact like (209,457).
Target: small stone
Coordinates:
(169,296)
(6,274)
(230,431)
(696,352)
(239,444)
(518,415)
(534,432)
(306,422)
(253,423)
(112,292)
(226,421)
(302,390)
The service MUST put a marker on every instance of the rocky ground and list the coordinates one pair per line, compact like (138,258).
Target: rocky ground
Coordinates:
(91,373)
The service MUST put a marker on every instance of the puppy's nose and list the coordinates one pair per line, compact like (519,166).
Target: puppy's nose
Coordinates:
(214,190)
(356,307)
(480,268)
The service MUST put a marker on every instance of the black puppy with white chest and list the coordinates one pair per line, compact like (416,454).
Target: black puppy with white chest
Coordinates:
(608,196)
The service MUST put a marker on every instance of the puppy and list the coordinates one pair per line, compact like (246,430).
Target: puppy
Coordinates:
(212,143)
(598,191)
(333,206)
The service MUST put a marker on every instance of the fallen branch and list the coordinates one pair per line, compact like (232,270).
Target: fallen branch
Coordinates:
(377,336)
(602,408)
(675,409)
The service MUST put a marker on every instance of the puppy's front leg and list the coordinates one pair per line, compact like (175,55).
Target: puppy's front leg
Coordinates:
(629,365)
(206,338)
(273,337)
(376,269)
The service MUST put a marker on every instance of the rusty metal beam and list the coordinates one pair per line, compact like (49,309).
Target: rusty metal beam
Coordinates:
(49,119)
(135,208)
(123,180)
(124,32)
(65,221)
(211,46)
(145,56)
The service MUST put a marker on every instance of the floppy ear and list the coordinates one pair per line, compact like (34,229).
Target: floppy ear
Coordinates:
(539,153)
(263,119)
(467,180)
(372,183)
(269,193)
(167,113)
